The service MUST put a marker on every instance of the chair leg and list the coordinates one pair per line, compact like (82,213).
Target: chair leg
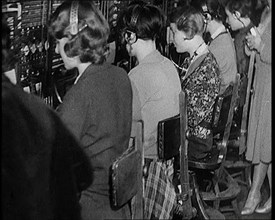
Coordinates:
(242,177)
(216,203)
(236,208)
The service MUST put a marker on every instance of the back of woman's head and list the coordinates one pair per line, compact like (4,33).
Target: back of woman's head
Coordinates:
(146,20)
(189,20)
(86,28)
(244,7)
(212,8)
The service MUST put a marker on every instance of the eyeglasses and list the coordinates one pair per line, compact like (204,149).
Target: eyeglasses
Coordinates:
(130,37)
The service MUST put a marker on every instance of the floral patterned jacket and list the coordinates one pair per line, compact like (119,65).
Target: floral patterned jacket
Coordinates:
(202,85)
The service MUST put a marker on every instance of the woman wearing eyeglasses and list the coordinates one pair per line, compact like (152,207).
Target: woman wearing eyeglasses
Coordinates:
(201,81)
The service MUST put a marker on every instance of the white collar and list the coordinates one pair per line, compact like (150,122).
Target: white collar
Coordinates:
(199,51)
(202,49)
(77,78)
(81,69)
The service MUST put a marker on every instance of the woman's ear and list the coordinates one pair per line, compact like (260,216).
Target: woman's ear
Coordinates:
(207,16)
(75,60)
(237,15)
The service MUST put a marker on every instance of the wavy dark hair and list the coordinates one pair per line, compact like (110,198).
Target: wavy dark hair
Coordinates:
(189,20)
(90,43)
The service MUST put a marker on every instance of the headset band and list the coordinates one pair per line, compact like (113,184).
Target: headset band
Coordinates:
(74,18)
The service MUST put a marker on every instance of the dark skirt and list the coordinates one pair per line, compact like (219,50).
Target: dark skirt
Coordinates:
(96,206)
(198,148)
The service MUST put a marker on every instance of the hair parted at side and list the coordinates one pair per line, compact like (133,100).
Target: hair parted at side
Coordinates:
(189,20)
(90,43)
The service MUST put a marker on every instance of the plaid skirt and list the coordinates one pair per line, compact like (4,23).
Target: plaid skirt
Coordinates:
(160,195)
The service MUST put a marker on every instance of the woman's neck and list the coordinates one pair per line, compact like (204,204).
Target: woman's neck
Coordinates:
(145,47)
(215,32)
(216,27)
(198,42)
(201,49)
(81,68)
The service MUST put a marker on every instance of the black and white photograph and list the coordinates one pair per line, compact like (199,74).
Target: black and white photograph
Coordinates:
(136,109)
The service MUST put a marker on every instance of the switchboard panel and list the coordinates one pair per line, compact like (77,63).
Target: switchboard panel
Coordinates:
(38,68)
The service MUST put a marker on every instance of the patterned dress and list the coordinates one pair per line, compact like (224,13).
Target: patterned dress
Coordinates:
(201,84)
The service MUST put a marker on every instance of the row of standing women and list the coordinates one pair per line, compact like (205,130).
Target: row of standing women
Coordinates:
(99,108)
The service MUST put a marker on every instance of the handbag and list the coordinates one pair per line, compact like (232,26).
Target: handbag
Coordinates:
(124,175)
(168,137)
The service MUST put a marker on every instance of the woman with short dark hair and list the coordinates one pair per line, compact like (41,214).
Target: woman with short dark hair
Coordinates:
(154,78)
(156,88)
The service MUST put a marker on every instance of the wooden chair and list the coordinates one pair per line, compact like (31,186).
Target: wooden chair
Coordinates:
(172,143)
(239,168)
(137,201)
(221,186)
(127,182)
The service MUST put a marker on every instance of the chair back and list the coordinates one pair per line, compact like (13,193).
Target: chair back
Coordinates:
(168,139)
(184,174)
(221,124)
(172,142)
(137,202)
(229,111)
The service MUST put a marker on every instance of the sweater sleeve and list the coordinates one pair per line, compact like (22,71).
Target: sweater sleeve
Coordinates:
(265,47)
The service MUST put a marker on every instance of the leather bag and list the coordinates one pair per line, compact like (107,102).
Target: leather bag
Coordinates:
(124,173)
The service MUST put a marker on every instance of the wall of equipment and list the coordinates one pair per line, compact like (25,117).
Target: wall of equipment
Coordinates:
(38,68)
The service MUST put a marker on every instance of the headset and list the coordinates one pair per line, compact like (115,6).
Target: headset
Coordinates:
(130,36)
(74,18)
(238,18)
(206,13)
(135,16)
(209,15)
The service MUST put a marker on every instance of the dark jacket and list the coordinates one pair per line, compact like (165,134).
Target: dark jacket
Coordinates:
(98,110)
(41,160)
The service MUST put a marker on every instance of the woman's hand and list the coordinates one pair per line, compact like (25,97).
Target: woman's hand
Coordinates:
(247,50)
(253,42)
